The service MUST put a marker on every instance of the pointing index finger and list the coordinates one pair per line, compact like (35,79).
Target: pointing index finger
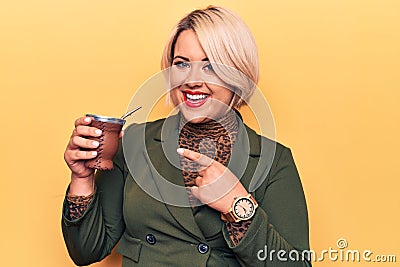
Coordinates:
(200,159)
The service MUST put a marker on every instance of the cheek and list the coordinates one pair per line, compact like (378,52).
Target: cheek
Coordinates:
(177,77)
(224,95)
(175,96)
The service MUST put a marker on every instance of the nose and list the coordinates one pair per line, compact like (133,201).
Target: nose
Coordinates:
(194,78)
(194,84)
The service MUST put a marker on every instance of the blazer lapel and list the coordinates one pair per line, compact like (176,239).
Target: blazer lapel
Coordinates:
(167,174)
(254,168)
(240,162)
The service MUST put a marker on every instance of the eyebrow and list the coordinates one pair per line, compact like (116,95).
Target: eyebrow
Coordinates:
(187,59)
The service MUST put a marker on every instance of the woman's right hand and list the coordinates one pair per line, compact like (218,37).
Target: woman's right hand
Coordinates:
(80,148)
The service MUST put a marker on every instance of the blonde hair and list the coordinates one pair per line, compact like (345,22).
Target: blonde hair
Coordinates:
(226,40)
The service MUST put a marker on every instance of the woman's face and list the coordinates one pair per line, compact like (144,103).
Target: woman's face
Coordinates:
(196,89)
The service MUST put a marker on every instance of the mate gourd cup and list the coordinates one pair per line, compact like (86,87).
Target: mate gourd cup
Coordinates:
(108,141)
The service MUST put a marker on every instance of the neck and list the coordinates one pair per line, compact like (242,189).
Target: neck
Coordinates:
(228,122)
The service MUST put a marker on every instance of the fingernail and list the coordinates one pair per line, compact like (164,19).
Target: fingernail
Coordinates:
(95,143)
(98,131)
(94,153)
(87,119)
(180,151)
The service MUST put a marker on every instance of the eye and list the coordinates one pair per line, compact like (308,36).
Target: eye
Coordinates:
(182,65)
(208,68)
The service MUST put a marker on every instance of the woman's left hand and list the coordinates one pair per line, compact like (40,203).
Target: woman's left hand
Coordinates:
(216,185)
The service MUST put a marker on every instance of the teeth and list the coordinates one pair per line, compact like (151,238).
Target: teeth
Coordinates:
(196,97)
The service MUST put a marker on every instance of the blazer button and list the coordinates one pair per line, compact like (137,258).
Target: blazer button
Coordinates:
(151,239)
(202,248)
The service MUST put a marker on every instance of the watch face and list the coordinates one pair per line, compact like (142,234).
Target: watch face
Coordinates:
(244,208)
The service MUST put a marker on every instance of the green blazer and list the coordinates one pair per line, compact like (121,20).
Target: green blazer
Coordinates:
(137,205)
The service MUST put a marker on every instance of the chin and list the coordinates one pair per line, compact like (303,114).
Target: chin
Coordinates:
(201,116)
(194,116)
(197,120)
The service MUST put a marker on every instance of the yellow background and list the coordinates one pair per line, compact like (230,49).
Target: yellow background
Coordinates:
(329,69)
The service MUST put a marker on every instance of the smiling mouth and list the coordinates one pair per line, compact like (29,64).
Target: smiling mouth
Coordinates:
(194,99)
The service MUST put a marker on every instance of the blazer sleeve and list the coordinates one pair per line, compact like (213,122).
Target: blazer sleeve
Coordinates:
(278,234)
(92,237)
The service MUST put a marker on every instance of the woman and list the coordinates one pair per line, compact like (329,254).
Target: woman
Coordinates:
(221,223)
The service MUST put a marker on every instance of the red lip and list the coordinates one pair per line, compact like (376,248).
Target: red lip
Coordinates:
(195,92)
(196,103)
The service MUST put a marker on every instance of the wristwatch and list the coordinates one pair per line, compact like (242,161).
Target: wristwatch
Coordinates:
(243,208)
